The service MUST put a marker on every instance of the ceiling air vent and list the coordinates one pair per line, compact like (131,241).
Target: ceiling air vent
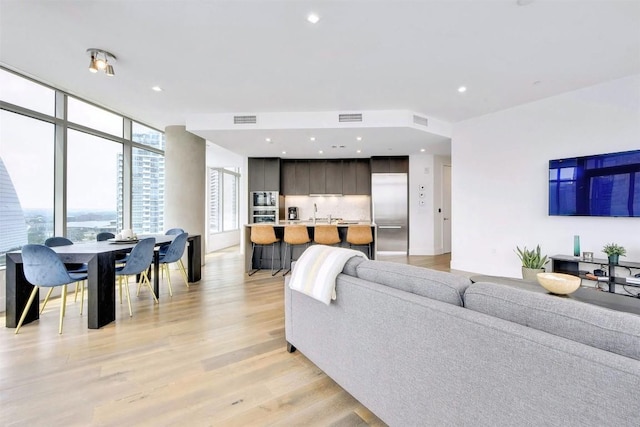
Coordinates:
(349,117)
(422,121)
(245,120)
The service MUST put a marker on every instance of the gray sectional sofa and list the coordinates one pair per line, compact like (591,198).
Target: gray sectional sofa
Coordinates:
(420,347)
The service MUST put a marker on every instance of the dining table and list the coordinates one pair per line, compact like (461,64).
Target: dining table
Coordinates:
(100,258)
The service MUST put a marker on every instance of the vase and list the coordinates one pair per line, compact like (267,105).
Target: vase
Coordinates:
(531,274)
(613,259)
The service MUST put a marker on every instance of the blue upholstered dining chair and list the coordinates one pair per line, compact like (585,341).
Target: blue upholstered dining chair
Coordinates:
(170,232)
(71,268)
(139,261)
(173,254)
(105,235)
(43,268)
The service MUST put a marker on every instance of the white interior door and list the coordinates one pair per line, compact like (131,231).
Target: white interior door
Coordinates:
(446,209)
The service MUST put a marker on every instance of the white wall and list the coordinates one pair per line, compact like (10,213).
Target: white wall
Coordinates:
(425,222)
(499,178)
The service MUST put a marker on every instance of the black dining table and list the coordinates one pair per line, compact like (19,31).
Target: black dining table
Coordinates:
(100,258)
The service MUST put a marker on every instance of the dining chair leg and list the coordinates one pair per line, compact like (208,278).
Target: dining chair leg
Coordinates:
(148,283)
(126,284)
(46,300)
(75,293)
(27,307)
(63,305)
(81,298)
(166,267)
(184,272)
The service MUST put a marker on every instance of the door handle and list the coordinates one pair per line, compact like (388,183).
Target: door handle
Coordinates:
(389,226)
(446,219)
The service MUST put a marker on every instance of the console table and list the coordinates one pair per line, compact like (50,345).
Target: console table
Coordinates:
(571,265)
(583,294)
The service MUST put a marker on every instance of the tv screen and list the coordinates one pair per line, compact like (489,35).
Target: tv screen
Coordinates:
(599,185)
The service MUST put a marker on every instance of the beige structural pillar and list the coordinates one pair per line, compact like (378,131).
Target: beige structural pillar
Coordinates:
(184,182)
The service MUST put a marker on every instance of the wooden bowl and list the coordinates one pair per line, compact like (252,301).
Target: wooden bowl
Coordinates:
(559,283)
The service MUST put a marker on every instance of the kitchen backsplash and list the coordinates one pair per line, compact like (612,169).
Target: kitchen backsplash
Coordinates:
(345,207)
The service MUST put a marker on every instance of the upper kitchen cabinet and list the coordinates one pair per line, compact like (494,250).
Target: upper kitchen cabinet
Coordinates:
(393,164)
(295,177)
(356,177)
(317,175)
(333,177)
(264,174)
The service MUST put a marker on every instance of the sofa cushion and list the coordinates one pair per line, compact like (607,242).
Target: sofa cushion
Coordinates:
(350,268)
(439,285)
(609,330)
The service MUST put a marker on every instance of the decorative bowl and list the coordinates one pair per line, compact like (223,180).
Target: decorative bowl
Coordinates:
(559,283)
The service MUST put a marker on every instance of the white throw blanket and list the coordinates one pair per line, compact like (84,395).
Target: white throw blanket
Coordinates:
(317,268)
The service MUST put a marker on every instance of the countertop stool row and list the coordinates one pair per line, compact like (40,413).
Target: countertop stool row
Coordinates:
(295,235)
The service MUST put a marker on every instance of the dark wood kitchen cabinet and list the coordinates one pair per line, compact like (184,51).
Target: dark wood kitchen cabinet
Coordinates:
(264,174)
(391,164)
(333,177)
(317,176)
(356,177)
(295,177)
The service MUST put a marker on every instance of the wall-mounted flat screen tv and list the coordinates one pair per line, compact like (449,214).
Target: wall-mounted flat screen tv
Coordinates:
(598,185)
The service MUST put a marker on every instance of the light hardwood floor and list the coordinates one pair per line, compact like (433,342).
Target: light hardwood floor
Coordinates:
(213,355)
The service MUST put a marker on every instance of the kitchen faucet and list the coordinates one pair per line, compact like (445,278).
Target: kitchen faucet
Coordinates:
(315,211)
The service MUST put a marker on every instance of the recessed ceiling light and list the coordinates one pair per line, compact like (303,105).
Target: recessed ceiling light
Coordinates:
(157,88)
(320,152)
(422,150)
(313,138)
(313,18)
(358,151)
(358,138)
(284,152)
(268,139)
(462,89)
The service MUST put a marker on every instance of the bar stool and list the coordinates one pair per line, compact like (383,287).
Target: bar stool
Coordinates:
(294,235)
(326,235)
(264,235)
(360,235)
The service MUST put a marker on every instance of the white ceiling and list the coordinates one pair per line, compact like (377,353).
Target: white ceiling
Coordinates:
(263,56)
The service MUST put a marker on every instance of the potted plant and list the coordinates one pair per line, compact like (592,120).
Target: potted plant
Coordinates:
(532,262)
(614,252)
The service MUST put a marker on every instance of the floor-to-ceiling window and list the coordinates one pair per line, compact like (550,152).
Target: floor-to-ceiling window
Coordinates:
(147,192)
(223,199)
(92,185)
(26,181)
(68,167)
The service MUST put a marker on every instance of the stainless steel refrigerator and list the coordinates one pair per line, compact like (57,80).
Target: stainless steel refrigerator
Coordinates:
(389,198)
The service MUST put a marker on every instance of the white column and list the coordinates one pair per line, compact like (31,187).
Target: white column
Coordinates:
(185,182)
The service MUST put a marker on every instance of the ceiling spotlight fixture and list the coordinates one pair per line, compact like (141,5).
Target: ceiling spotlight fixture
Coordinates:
(462,89)
(320,152)
(268,139)
(157,88)
(358,138)
(284,152)
(101,60)
(422,150)
(313,138)
(313,18)
(358,151)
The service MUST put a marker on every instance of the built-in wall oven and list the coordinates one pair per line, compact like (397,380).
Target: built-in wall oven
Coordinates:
(264,207)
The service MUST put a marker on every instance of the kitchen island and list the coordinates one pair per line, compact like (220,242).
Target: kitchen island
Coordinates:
(279,229)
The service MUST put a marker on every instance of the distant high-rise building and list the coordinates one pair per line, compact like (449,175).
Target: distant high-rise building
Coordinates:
(13,227)
(147,189)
